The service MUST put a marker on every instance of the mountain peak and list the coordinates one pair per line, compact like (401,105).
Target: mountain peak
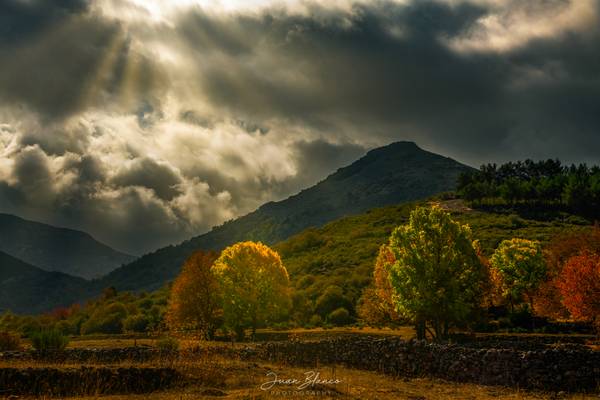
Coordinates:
(402,145)
(391,174)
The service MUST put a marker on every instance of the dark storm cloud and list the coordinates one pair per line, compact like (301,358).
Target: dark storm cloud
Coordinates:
(89,169)
(59,59)
(32,172)
(145,132)
(387,70)
(348,63)
(20,19)
(148,173)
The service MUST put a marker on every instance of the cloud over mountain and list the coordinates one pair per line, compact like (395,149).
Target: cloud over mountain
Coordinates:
(145,123)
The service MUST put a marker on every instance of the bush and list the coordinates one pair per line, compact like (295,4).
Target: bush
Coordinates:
(66,328)
(316,320)
(9,342)
(49,340)
(107,319)
(168,344)
(339,317)
(136,323)
(331,299)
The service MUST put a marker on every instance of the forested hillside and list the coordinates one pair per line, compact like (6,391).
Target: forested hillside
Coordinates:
(543,184)
(28,289)
(333,264)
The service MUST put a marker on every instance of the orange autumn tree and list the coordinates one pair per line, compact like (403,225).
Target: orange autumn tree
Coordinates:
(548,300)
(195,301)
(579,285)
(255,286)
(376,304)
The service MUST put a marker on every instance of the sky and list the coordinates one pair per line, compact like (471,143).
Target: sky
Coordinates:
(146,122)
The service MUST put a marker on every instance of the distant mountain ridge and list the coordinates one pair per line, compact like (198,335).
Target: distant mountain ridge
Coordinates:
(392,174)
(30,290)
(58,249)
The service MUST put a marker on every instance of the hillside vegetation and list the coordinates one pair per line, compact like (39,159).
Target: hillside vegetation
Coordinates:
(333,264)
(329,267)
(543,184)
(28,289)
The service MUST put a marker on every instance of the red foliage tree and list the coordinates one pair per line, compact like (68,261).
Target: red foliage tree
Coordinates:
(548,299)
(60,313)
(579,285)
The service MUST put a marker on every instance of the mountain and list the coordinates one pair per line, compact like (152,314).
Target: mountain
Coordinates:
(58,249)
(387,175)
(31,290)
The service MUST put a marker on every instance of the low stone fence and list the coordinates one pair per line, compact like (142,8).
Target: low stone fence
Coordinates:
(568,368)
(84,381)
(521,342)
(526,364)
(100,356)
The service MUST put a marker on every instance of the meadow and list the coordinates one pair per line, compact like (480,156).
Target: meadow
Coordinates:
(220,370)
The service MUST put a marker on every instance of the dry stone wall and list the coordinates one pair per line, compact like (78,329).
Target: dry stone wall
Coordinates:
(84,381)
(569,368)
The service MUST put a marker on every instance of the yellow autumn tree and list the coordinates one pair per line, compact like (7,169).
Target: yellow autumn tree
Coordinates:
(195,302)
(255,286)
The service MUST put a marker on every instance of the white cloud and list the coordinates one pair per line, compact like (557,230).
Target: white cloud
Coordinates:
(512,24)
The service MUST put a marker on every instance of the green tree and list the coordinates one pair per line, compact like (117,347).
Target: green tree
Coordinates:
(437,273)
(522,268)
(255,286)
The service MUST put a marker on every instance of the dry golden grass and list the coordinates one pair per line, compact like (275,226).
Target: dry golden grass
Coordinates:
(216,377)
(213,376)
(405,332)
(229,379)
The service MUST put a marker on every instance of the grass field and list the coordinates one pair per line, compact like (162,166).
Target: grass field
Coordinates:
(230,379)
(214,376)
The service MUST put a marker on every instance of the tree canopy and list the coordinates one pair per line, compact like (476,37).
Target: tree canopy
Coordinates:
(377,303)
(195,301)
(542,183)
(522,267)
(579,284)
(255,286)
(437,273)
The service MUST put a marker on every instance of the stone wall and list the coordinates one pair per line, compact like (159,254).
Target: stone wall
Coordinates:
(99,356)
(84,381)
(530,363)
(569,368)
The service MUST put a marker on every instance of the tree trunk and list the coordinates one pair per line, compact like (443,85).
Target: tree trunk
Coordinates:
(420,328)
(240,333)
(210,333)
(531,311)
(446,330)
